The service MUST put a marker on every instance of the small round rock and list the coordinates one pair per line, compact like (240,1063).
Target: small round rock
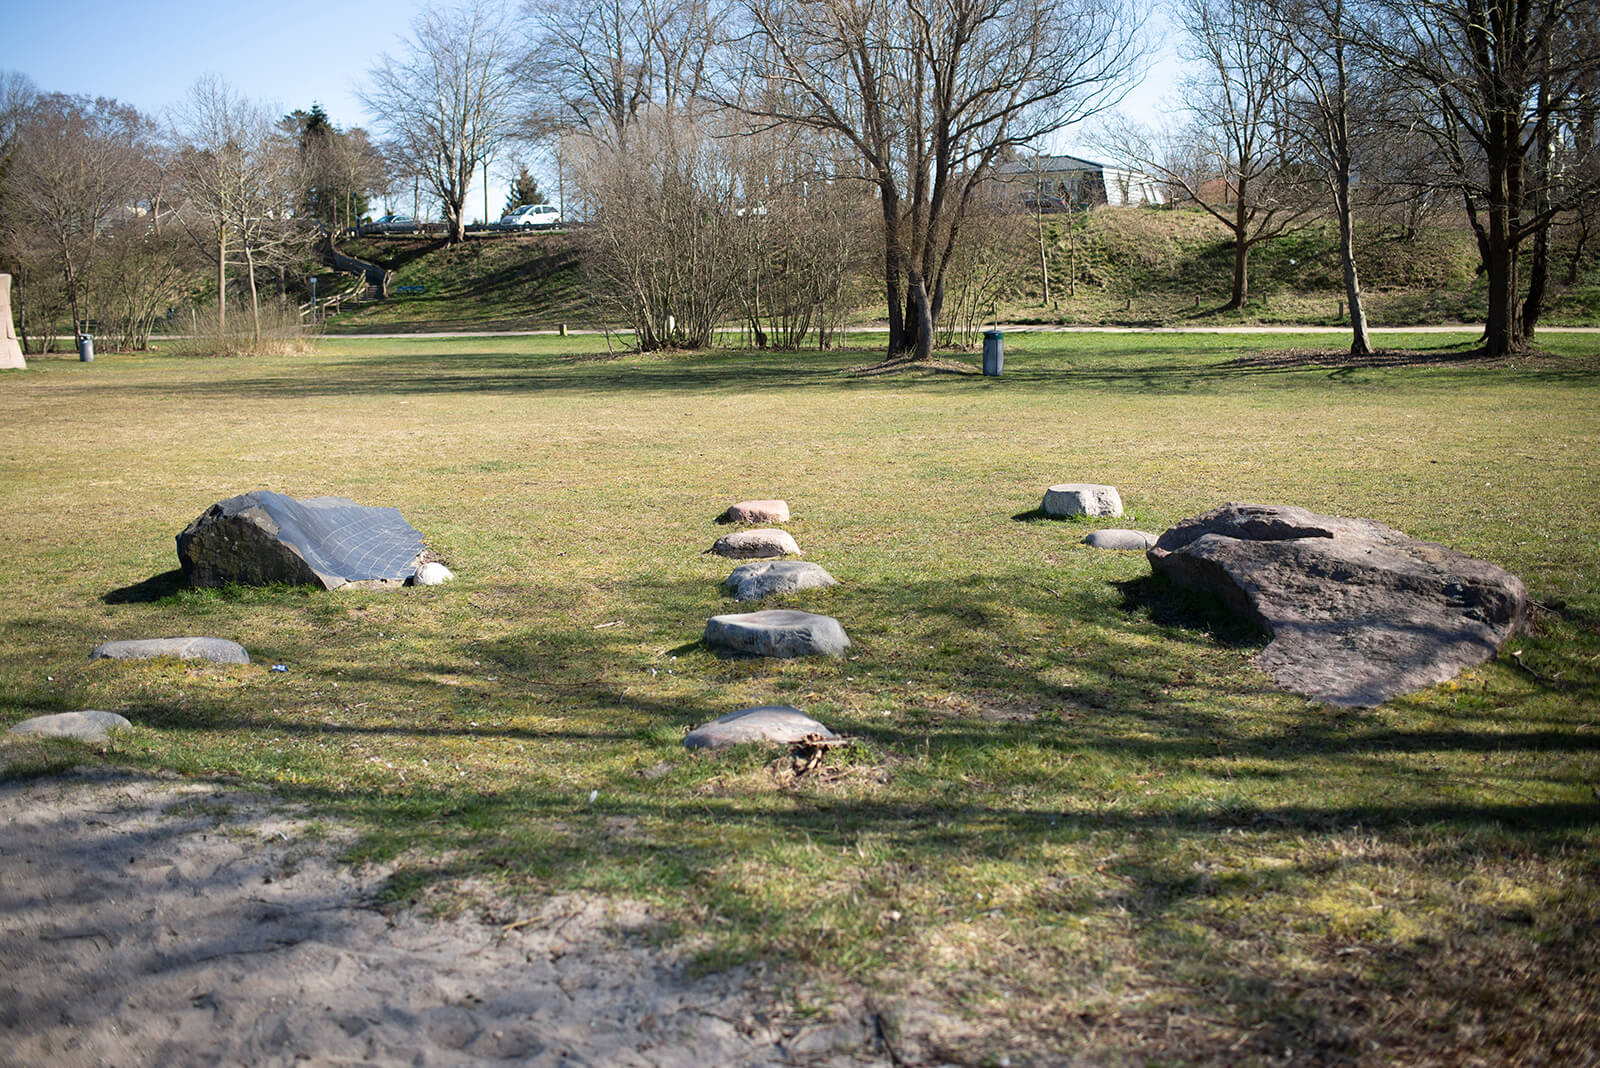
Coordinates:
(756,544)
(432,573)
(216,650)
(1133,540)
(1081,498)
(756,512)
(778,632)
(89,726)
(780,724)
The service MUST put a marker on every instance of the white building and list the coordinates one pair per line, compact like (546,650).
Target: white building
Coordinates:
(1080,182)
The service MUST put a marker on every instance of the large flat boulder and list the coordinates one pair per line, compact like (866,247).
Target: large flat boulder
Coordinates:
(777,632)
(764,578)
(265,538)
(1358,611)
(216,650)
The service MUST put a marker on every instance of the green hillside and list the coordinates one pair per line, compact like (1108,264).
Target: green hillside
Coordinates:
(523,282)
(1111,266)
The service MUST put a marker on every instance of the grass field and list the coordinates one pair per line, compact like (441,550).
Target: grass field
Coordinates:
(1075,820)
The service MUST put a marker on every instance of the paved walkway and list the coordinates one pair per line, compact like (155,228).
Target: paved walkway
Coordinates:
(1020,328)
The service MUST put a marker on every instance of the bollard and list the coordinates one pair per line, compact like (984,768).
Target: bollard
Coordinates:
(86,348)
(994,353)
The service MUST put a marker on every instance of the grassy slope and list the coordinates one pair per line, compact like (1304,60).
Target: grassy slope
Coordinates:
(1076,819)
(526,282)
(1134,267)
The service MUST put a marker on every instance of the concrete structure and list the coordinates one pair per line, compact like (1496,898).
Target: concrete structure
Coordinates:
(10,351)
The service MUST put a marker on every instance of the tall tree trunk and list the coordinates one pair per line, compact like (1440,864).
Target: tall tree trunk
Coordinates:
(1241,252)
(892,273)
(255,303)
(1360,342)
(923,340)
(222,286)
(1044,260)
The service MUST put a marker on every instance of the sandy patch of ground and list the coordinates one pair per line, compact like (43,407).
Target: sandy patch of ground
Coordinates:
(156,921)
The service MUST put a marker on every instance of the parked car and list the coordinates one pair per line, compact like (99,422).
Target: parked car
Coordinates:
(392,224)
(536,216)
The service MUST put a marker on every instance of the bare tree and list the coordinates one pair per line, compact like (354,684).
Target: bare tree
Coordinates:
(73,170)
(1326,76)
(233,167)
(662,242)
(448,101)
(1234,157)
(1500,82)
(925,99)
(598,65)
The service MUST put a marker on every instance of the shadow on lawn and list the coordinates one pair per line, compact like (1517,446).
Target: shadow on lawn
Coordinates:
(1078,774)
(1155,371)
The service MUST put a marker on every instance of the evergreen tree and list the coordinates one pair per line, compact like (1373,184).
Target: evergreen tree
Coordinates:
(524,190)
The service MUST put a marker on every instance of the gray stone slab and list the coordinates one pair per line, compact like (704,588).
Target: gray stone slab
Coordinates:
(777,632)
(780,724)
(1081,498)
(751,582)
(1136,540)
(88,726)
(263,538)
(761,543)
(216,650)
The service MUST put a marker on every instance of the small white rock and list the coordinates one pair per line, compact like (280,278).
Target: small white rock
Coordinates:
(432,573)
(1081,498)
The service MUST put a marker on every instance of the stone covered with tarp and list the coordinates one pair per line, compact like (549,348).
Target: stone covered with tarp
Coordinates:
(265,538)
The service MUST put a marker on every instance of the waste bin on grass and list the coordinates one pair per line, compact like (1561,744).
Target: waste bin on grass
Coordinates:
(994,353)
(86,348)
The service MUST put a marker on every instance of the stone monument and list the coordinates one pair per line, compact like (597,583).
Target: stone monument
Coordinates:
(10,351)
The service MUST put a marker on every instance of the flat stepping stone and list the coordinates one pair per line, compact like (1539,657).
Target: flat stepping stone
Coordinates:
(756,544)
(89,726)
(1081,498)
(756,512)
(1135,540)
(776,632)
(751,582)
(216,650)
(779,724)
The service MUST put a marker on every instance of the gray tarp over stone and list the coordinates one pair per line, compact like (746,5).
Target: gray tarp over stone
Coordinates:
(1358,611)
(262,538)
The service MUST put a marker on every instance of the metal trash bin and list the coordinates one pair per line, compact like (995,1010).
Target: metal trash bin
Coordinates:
(86,348)
(994,353)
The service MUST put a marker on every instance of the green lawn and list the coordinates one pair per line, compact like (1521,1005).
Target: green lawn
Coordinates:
(1075,821)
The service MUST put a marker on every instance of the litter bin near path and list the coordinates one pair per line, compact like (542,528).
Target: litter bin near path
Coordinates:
(994,353)
(86,348)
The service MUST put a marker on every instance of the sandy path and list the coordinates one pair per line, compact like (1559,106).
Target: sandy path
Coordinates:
(152,921)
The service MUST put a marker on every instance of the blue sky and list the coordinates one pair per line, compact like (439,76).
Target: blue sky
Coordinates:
(283,53)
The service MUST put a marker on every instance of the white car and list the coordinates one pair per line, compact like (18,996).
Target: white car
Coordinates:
(537,216)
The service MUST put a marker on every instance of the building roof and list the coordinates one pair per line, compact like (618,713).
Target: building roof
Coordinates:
(1047,165)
